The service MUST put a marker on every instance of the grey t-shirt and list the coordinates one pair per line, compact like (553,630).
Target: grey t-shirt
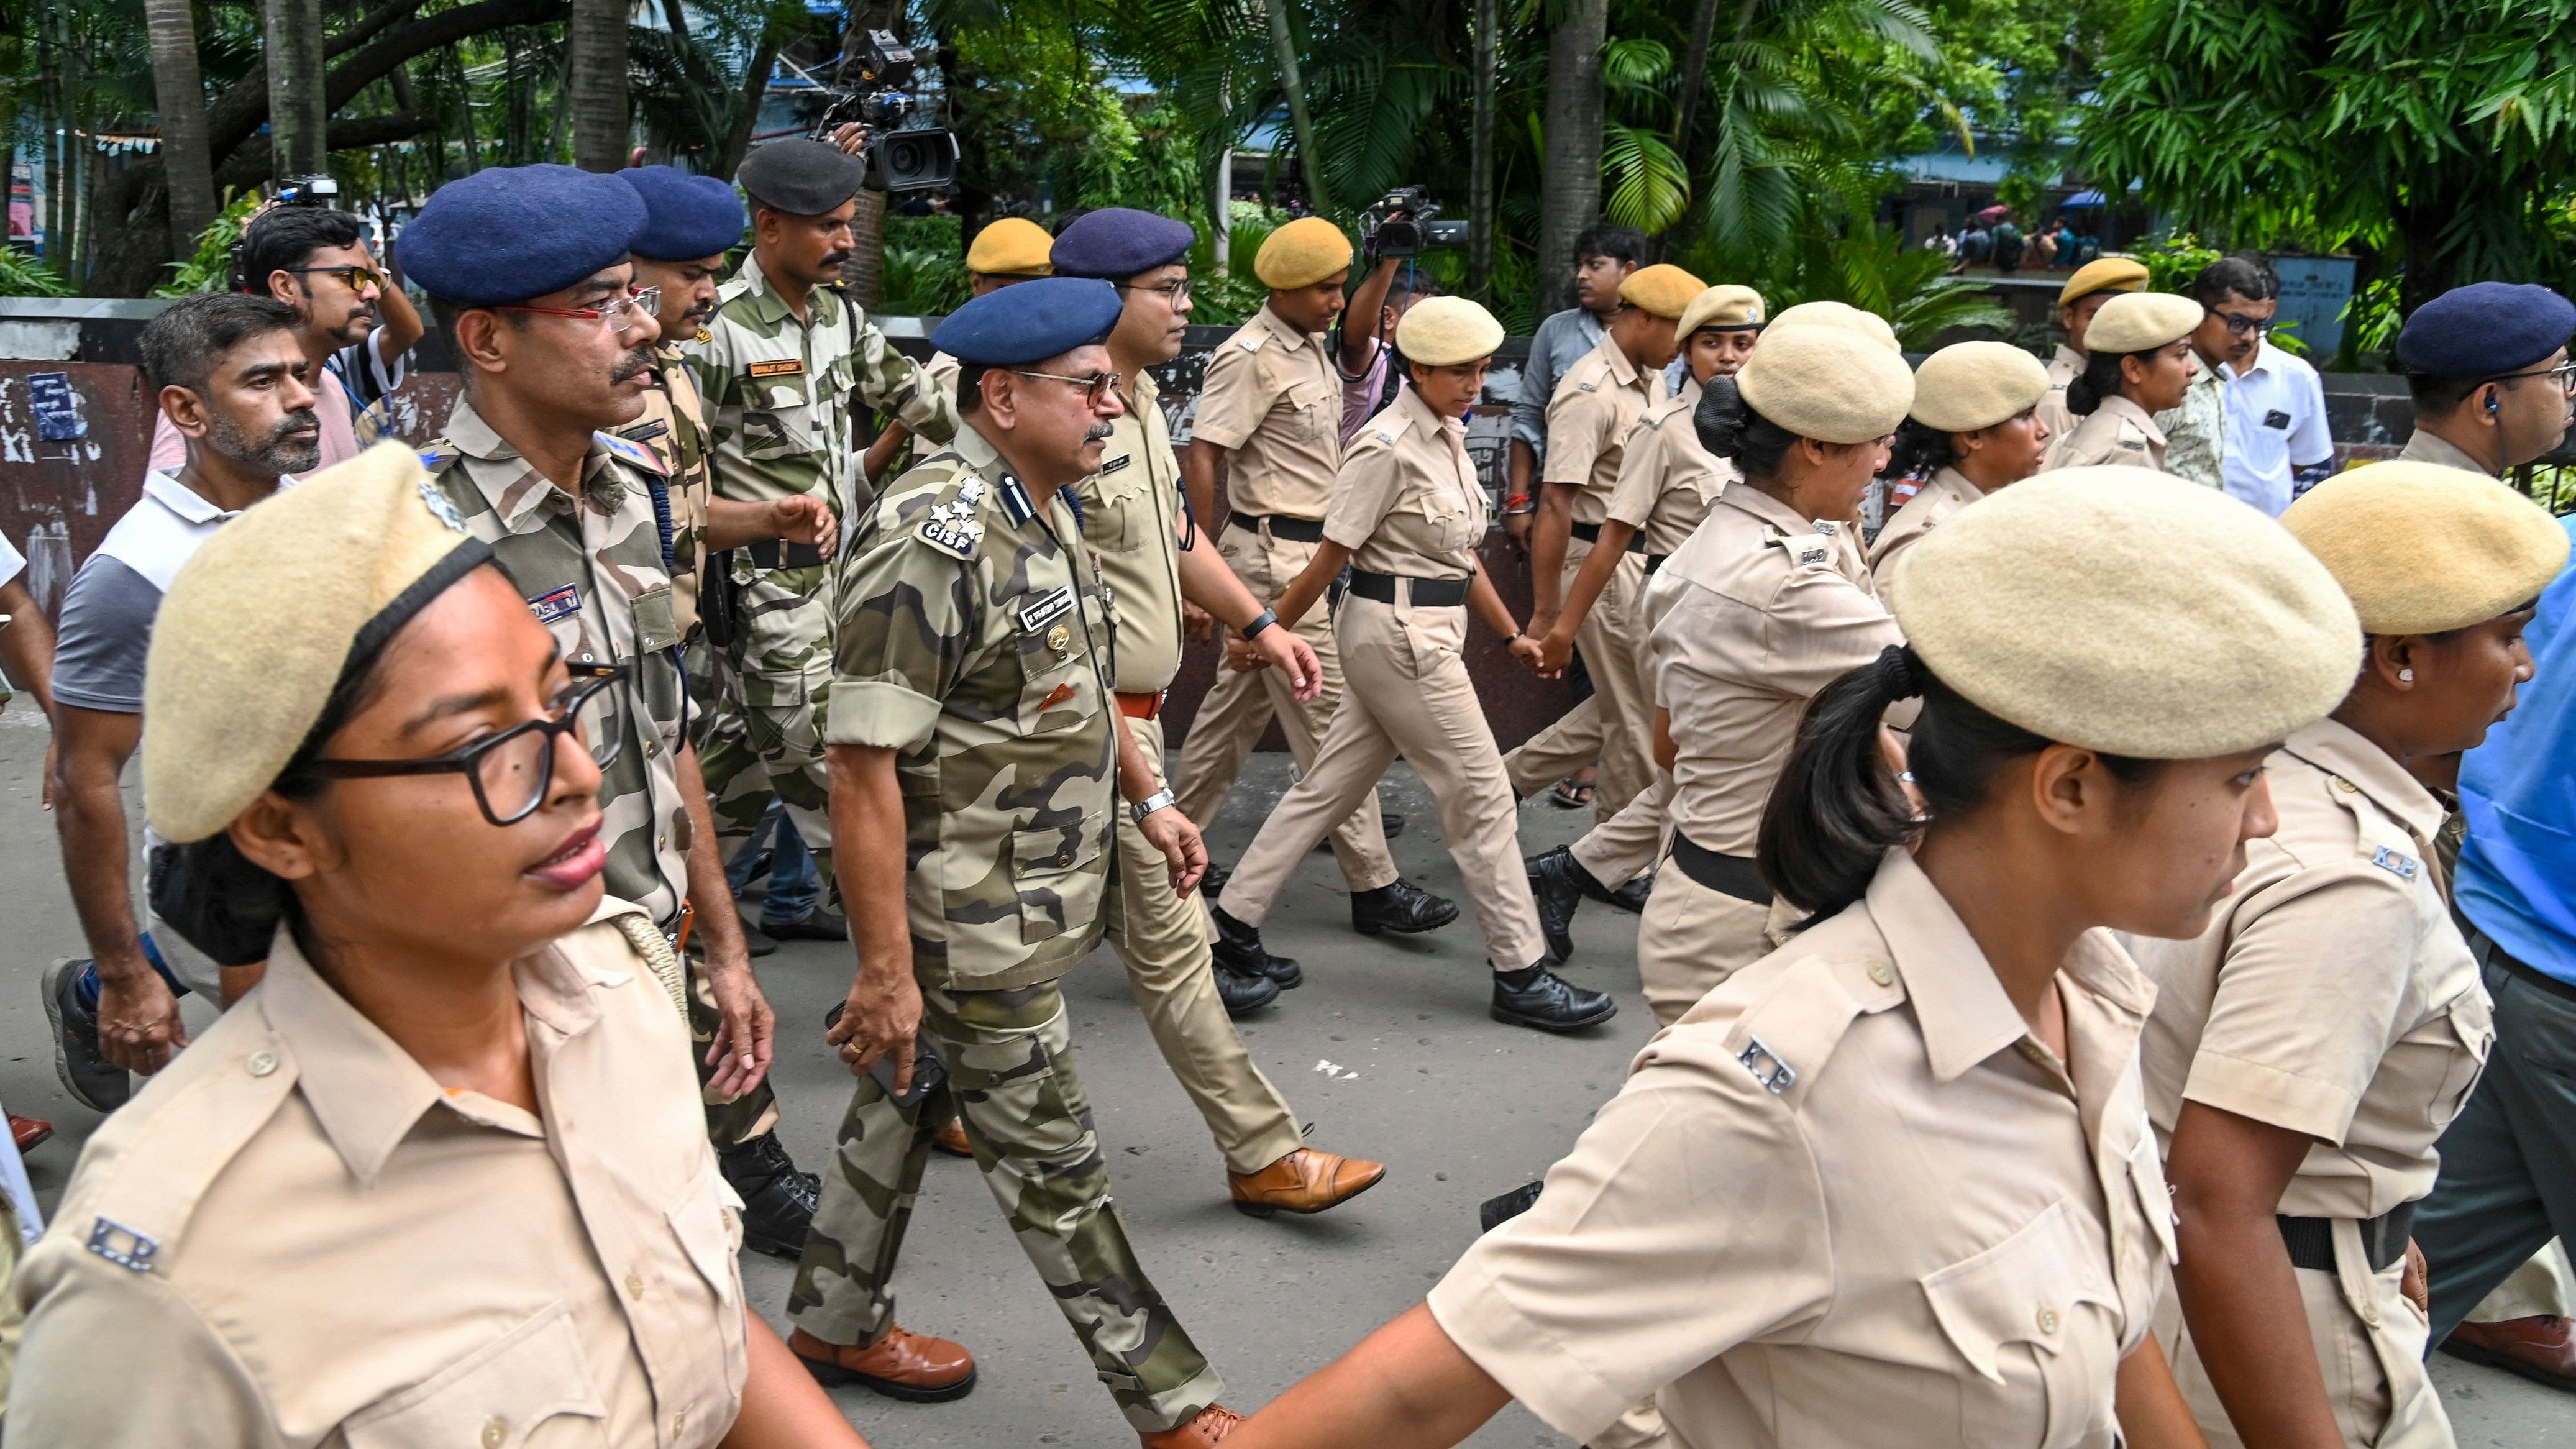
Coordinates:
(105,633)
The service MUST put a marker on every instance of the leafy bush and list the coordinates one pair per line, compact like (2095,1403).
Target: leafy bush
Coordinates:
(1869,267)
(925,267)
(211,269)
(23,274)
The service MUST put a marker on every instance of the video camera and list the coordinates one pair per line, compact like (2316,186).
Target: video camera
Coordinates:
(1407,223)
(918,158)
(315,191)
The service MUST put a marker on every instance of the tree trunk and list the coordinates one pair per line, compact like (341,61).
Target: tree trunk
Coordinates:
(755,84)
(1570,185)
(1480,180)
(1221,192)
(1318,199)
(2429,262)
(180,93)
(1695,89)
(298,114)
(597,43)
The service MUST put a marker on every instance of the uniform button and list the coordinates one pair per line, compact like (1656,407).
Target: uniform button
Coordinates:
(661,842)
(652,747)
(1882,973)
(2370,1313)
(2047,1319)
(585,657)
(262,1063)
(2346,786)
(634,1285)
(493,1430)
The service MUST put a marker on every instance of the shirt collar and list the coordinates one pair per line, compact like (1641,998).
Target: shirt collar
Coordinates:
(513,486)
(2118,405)
(1957,482)
(1621,368)
(1745,496)
(164,488)
(2427,446)
(2341,751)
(1425,416)
(2266,358)
(2071,357)
(821,303)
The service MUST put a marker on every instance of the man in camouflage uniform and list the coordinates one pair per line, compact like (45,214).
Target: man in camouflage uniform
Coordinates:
(973,743)
(785,356)
(575,515)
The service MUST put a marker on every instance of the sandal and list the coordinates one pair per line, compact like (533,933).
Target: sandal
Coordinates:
(1571,794)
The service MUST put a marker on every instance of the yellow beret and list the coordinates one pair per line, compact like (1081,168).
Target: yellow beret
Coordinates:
(1842,315)
(2422,548)
(1663,289)
(1972,385)
(1302,253)
(1447,331)
(254,632)
(2105,274)
(1826,383)
(2141,322)
(1725,308)
(2041,607)
(1011,247)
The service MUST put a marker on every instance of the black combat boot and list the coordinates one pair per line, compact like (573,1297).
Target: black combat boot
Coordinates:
(1539,998)
(1242,994)
(1632,896)
(1559,882)
(1402,907)
(777,1201)
(1239,949)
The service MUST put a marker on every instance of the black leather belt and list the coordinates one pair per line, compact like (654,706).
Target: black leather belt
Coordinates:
(2383,1239)
(1655,561)
(776,553)
(2537,978)
(1427,593)
(1302,530)
(1591,533)
(1730,875)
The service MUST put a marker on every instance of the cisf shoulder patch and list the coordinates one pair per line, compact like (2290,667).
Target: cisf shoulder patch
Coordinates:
(956,538)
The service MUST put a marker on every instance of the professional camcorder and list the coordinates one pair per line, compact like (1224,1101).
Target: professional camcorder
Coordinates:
(899,158)
(1407,223)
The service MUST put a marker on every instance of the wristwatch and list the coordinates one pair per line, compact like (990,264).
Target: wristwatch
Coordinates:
(1259,622)
(1159,800)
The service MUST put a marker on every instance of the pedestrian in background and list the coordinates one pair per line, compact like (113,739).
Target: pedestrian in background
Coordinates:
(1604,254)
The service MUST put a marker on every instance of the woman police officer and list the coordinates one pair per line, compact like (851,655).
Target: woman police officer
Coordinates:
(1896,1182)
(442,1176)
(2138,364)
(1975,428)
(2309,1047)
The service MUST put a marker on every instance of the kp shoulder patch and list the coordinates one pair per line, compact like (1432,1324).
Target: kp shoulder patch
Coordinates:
(1248,344)
(1587,387)
(635,453)
(1802,551)
(2398,864)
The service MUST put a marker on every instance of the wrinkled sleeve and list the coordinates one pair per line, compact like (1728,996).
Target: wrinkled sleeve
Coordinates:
(1641,475)
(892,382)
(1365,491)
(1578,428)
(906,620)
(118,1360)
(1234,398)
(1821,627)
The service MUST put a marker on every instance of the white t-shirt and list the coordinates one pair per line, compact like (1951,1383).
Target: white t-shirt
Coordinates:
(2276,425)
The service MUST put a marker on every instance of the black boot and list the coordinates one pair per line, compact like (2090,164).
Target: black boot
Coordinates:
(1536,997)
(1242,994)
(1559,882)
(1212,883)
(777,1201)
(1402,907)
(1632,896)
(1239,949)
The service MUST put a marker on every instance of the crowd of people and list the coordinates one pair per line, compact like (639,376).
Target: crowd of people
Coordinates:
(2109,961)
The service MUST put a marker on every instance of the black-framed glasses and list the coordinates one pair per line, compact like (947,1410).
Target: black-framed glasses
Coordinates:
(2565,372)
(513,770)
(1094,387)
(2238,324)
(1176,290)
(357,278)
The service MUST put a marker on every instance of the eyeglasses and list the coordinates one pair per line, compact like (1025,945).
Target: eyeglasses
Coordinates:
(2238,324)
(616,316)
(2564,372)
(357,278)
(513,770)
(1176,291)
(1094,387)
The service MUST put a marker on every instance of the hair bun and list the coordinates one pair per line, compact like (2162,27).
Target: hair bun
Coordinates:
(1722,417)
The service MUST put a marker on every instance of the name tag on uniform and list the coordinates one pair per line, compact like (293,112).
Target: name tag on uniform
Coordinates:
(1045,609)
(550,607)
(645,432)
(2133,445)
(784,367)
(2276,419)
(1114,464)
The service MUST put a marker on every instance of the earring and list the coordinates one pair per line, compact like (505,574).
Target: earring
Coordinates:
(2406,676)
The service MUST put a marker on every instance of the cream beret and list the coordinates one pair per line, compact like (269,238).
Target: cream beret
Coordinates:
(2422,548)
(1826,383)
(2104,274)
(1842,315)
(254,632)
(2124,610)
(1663,289)
(1972,385)
(1302,253)
(1447,331)
(2140,322)
(1011,247)
(1726,308)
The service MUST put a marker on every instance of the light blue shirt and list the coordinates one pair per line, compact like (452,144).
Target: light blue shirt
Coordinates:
(2517,877)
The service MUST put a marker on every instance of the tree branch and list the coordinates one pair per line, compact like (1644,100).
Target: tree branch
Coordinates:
(248,164)
(367,26)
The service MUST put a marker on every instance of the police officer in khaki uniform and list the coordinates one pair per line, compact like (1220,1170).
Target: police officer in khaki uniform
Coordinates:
(1975,428)
(1596,406)
(2093,284)
(1406,516)
(1754,615)
(439,1179)
(2138,364)
(2310,1046)
(1009,249)
(1896,1183)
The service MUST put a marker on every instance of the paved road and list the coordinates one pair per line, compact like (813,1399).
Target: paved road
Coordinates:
(1461,1108)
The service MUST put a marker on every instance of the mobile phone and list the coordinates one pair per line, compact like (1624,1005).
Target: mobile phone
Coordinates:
(929,1073)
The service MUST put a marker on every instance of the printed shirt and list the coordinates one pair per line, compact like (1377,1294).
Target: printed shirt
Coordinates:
(1588,423)
(591,571)
(2119,431)
(1273,399)
(973,639)
(1131,513)
(2520,803)
(1559,343)
(1848,1190)
(1407,500)
(2276,425)
(1667,481)
(2197,431)
(1947,493)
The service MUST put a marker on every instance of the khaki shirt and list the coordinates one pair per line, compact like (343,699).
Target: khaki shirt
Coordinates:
(1273,399)
(1667,481)
(674,427)
(294,1237)
(1847,1199)
(2064,368)
(2119,431)
(1407,500)
(2333,995)
(1759,611)
(1947,493)
(1131,516)
(2425,446)
(1597,402)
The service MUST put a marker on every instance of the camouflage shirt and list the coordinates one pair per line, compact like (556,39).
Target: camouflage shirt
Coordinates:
(674,426)
(591,572)
(778,390)
(973,642)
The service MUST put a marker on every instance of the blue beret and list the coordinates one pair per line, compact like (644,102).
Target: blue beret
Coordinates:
(506,234)
(1029,321)
(688,217)
(2484,329)
(1119,241)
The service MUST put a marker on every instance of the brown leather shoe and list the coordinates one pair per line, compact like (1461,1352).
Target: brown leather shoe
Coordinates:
(2541,1349)
(901,1365)
(951,1139)
(29,1132)
(1213,1423)
(1304,1181)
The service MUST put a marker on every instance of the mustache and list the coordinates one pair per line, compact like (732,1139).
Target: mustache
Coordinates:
(300,421)
(1097,433)
(635,361)
(835,260)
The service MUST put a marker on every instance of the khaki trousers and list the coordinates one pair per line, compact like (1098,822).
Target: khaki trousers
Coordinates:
(1409,695)
(1691,939)
(1240,706)
(1163,941)
(1616,726)
(1624,847)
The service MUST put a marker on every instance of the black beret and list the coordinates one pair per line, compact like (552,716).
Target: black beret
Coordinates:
(1029,322)
(505,234)
(1120,241)
(800,177)
(2480,330)
(687,217)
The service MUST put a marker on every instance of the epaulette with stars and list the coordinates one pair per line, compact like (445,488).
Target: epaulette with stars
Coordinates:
(952,527)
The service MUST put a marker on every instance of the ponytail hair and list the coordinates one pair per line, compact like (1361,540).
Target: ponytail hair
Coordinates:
(2099,379)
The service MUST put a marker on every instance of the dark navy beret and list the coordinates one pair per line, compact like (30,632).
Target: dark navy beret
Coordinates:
(1119,241)
(2484,329)
(1029,321)
(505,234)
(688,217)
(801,177)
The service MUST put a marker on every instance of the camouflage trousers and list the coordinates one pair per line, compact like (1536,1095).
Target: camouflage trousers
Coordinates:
(761,710)
(729,1123)
(1011,1080)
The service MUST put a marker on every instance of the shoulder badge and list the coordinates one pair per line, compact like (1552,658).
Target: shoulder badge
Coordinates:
(123,1246)
(955,537)
(1802,551)
(1016,503)
(2398,864)
(635,453)
(1827,527)
(440,506)
(1587,387)
(1248,344)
